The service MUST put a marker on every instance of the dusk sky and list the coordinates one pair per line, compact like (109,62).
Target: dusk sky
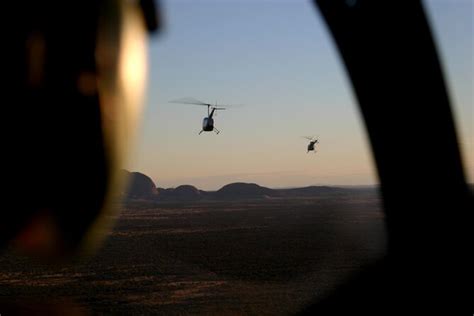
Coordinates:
(278,60)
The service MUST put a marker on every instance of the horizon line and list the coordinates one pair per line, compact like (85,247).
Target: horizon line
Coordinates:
(348,186)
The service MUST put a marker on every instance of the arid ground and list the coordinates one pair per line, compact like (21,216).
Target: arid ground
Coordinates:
(258,257)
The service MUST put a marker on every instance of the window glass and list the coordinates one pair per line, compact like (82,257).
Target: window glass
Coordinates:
(453,28)
(247,221)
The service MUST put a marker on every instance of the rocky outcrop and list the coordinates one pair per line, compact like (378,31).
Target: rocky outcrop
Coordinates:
(139,186)
(241,190)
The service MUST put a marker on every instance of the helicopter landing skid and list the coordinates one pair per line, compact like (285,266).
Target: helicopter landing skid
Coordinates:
(215,130)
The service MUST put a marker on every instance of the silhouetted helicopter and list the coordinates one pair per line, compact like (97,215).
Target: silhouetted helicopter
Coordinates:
(207,122)
(312,142)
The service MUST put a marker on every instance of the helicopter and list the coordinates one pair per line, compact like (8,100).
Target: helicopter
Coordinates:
(207,122)
(312,142)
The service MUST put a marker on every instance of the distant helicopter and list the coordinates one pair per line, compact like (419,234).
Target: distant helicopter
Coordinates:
(207,122)
(312,142)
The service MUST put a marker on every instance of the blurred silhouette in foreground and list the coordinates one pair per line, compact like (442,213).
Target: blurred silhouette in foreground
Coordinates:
(391,60)
(76,75)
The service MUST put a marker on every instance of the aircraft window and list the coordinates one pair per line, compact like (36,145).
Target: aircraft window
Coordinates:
(268,209)
(249,220)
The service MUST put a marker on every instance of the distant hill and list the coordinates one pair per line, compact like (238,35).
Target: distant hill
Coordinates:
(181,193)
(240,190)
(139,186)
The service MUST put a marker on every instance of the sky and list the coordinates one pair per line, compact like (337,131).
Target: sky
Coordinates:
(278,60)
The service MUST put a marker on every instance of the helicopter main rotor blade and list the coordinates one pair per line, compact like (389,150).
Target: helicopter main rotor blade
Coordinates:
(311,138)
(190,101)
(228,105)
